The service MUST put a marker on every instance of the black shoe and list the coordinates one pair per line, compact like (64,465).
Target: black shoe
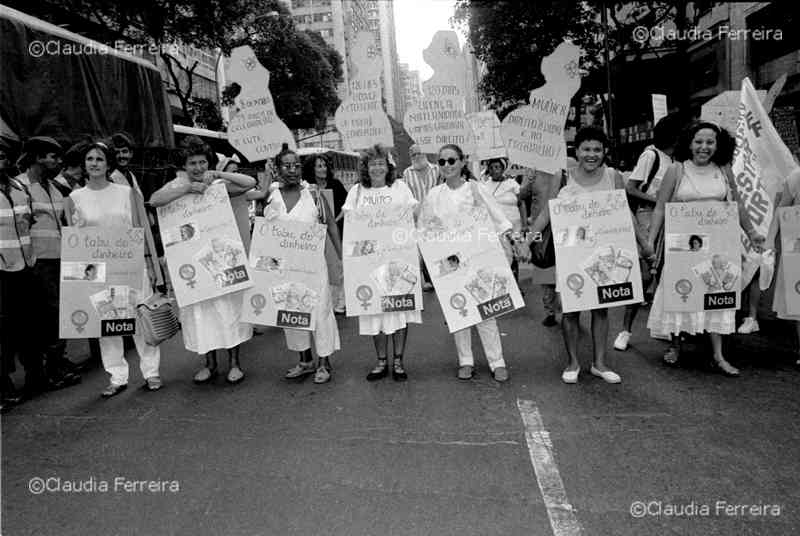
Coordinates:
(398,372)
(380,371)
(549,321)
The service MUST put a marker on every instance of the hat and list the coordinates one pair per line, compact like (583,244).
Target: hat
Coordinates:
(120,139)
(37,145)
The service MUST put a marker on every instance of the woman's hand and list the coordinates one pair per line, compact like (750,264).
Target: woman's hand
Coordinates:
(197,187)
(648,252)
(757,239)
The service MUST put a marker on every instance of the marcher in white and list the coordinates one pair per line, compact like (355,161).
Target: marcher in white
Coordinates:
(789,197)
(420,177)
(104,203)
(378,187)
(457,194)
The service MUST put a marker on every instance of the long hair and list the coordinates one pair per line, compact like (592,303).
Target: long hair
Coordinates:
(376,152)
(725,143)
(309,171)
(465,171)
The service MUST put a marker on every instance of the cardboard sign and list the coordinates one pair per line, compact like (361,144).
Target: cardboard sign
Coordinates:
(286,259)
(360,118)
(789,218)
(102,270)
(438,117)
(204,251)
(659,107)
(702,263)
(381,263)
(597,264)
(466,262)
(534,134)
(255,129)
(488,141)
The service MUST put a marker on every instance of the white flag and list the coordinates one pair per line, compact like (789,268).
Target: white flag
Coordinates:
(761,164)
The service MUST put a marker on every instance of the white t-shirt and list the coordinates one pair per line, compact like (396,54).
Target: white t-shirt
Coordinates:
(506,193)
(444,201)
(645,163)
(397,194)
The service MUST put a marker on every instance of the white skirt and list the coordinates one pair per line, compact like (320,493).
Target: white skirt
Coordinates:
(387,322)
(661,322)
(214,324)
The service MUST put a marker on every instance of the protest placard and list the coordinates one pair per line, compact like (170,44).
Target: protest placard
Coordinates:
(469,269)
(360,118)
(534,133)
(254,129)
(381,263)
(597,264)
(702,263)
(438,117)
(486,130)
(204,251)
(789,218)
(286,260)
(102,271)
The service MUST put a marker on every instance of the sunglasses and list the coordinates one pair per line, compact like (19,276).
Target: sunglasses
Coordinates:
(450,161)
(290,166)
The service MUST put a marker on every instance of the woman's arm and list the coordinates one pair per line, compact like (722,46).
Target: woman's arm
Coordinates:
(523,213)
(174,190)
(554,185)
(236,183)
(333,230)
(664,196)
(69,210)
(744,220)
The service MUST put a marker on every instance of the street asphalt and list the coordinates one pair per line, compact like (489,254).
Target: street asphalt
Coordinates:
(669,451)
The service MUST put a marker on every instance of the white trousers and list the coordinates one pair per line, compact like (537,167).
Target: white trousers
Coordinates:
(490,338)
(112,352)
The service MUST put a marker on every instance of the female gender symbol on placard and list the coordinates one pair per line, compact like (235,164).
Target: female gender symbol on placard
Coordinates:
(258,301)
(459,303)
(575,283)
(364,293)
(187,273)
(684,288)
(73,240)
(79,319)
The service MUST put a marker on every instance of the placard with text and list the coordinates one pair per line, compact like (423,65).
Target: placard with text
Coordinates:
(597,265)
(789,218)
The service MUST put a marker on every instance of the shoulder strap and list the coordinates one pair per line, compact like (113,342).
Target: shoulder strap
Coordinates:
(653,170)
(315,195)
(678,180)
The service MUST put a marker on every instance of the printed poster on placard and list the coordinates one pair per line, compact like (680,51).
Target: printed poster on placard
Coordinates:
(102,270)
(286,260)
(597,264)
(702,261)
(789,218)
(466,262)
(381,263)
(204,251)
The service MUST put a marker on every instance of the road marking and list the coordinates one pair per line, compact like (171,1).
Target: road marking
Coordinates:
(559,510)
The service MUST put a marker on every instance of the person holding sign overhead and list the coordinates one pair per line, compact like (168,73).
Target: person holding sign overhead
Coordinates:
(104,203)
(211,324)
(293,198)
(459,192)
(378,187)
(701,173)
(590,175)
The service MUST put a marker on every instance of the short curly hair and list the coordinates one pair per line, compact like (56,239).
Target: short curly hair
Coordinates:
(193,146)
(376,152)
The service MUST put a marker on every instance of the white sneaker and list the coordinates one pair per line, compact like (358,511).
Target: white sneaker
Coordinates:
(621,342)
(750,325)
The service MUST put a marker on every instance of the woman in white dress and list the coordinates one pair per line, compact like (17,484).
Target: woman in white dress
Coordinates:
(701,173)
(505,191)
(103,203)
(790,197)
(294,199)
(216,323)
(378,187)
(458,194)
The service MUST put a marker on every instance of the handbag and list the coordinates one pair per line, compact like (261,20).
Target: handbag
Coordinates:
(157,319)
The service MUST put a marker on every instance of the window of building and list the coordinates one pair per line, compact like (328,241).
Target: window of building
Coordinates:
(299,3)
(323,17)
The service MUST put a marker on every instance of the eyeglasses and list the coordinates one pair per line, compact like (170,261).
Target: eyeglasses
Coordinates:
(290,166)
(450,161)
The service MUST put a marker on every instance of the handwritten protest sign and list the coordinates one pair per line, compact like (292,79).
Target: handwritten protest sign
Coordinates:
(702,266)
(102,271)
(254,129)
(438,117)
(360,118)
(761,163)
(789,218)
(204,251)
(597,264)
(468,267)
(534,133)
(286,258)
(488,141)
(381,263)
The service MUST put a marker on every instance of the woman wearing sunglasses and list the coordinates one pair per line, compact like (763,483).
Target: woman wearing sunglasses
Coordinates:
(458,194)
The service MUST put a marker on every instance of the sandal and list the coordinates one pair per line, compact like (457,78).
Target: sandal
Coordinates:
(235,375)
(113,390)
(381,370)
(323,375)
(153,383)
(671,356)
(300,370)
(205,375)
(726,368)
(398,372)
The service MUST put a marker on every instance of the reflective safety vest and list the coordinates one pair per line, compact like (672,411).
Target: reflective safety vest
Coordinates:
(48,210)
(16,252)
